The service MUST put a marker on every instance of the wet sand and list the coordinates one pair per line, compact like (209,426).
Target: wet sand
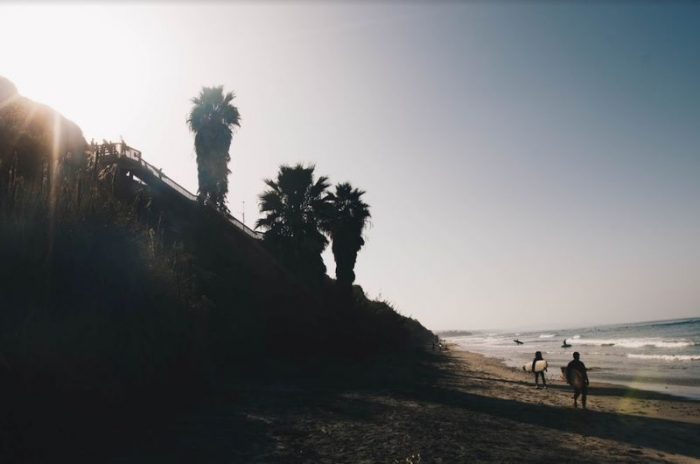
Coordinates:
(602,397)
(448,407)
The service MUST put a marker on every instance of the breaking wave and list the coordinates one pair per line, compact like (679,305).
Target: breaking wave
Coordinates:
(636,342)
(666,357)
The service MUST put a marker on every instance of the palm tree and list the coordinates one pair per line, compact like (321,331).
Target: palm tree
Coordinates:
(211,119)
(345,220)
(292,209)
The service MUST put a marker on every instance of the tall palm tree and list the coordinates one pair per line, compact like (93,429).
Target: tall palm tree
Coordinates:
(347,216)
(292,209)
(212,118)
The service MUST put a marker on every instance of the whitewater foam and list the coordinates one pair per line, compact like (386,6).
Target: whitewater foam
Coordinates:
(636,342)
(640,353)
(666,357)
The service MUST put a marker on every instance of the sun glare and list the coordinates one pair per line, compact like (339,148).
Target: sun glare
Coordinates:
(79,59)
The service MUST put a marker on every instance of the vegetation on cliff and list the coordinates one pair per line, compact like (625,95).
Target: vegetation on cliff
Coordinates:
(211,119)
(111,286)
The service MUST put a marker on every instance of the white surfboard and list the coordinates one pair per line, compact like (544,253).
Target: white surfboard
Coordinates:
(540,366)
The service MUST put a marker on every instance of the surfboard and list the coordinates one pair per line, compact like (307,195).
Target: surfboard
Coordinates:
(540,366)
(574,377)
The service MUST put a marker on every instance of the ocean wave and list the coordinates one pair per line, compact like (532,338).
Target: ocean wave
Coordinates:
(472,340)
(575,337)
(548,335)
(636,342)
(666,357)
(687,321)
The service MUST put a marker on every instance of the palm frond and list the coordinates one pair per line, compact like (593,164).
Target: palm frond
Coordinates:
(211,118)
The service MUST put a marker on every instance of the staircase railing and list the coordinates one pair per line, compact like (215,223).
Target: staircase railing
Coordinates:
(122,150)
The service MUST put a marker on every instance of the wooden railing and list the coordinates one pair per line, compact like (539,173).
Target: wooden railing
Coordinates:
(121,150)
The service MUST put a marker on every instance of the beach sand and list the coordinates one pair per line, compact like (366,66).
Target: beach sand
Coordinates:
(448,407)
(621,425)
(602,397)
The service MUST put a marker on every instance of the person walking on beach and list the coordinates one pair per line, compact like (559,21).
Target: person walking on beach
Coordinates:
(538,357)
(577,376)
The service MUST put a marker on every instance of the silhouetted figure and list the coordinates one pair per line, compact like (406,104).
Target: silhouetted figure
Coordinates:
(538,357)
(565,345)
(577,376)
(518,342)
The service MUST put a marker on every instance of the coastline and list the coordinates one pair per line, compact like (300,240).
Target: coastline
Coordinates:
(659,356)
(602,396)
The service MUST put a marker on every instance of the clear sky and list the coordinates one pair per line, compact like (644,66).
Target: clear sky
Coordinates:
(528,165)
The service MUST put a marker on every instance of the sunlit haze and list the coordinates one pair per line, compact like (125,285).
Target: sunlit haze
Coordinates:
(527,165)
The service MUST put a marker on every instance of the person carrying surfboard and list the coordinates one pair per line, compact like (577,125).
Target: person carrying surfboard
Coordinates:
(577,377)
(538,357)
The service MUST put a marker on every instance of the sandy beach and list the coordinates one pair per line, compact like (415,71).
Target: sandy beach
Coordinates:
(447,407)
(463,407)
(603,397)
(621,424)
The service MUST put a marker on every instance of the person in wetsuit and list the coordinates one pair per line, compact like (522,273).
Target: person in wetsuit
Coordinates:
(579,389)
(538,357)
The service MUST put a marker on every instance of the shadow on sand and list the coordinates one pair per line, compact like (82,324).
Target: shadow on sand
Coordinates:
(663,435)
(289,421)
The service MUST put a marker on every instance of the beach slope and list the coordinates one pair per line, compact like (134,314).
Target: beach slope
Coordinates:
(447,407)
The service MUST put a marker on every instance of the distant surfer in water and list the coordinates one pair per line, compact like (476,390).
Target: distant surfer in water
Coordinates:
(577,376)
(518,342)
(538,357)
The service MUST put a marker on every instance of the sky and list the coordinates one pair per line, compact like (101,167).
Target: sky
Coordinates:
(528,165)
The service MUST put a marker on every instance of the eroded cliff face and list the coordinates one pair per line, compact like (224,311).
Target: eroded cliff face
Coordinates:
(32,135)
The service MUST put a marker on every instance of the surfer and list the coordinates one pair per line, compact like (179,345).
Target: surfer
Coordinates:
(565,345)
(538,357)
(518,342)
(577,377)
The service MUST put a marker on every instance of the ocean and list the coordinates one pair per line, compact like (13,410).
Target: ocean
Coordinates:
(660,356)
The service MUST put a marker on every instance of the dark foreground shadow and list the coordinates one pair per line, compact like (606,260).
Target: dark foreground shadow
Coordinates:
(285,420)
